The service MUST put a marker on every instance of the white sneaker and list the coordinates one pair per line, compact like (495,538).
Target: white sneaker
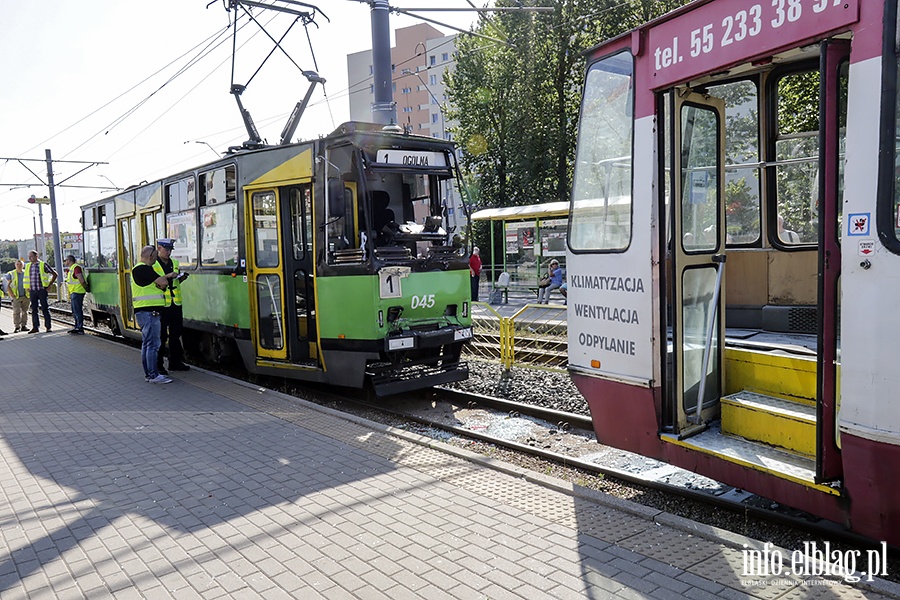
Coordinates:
(159,379)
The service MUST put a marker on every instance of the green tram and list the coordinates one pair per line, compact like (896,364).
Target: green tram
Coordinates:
(326,261)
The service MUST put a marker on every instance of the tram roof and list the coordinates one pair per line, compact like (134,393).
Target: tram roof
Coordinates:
(531,211)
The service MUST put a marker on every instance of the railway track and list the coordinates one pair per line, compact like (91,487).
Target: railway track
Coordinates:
(731,500)
(463,414)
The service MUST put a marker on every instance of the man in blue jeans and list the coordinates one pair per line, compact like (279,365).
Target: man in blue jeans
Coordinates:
(148,299)
(40,277)
(76,284)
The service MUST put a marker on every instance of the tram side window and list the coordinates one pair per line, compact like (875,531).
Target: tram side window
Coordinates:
(181,221)
(91,240)
(742,169)
(91,248)
(218,186)
(181,195)
(600,217)
(265,228)
(797,158)
(218,218)
(219,241)
(301,217)
(107,236)
(108,253)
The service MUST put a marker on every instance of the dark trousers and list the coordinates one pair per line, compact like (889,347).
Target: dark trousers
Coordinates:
(171,321)
(39,296)
(78,310)
(476,279)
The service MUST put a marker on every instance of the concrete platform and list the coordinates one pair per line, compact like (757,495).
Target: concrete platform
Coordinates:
(111,487)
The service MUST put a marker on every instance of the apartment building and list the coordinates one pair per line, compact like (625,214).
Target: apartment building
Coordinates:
(419,58)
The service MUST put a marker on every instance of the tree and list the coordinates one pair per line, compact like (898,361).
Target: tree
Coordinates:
(517,104)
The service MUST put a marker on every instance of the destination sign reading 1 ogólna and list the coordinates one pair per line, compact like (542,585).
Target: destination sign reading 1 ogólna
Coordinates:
(720,34)
(411,158)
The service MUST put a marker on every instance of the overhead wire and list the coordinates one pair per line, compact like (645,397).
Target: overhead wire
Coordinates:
(206,51)
(132,88)
(208,46)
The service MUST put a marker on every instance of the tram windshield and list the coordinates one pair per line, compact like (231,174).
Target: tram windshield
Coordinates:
(406,201)
(601,195)
(398,203)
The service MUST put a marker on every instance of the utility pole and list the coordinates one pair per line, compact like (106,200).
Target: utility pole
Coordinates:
(384,111)
(54,224)
(52,185)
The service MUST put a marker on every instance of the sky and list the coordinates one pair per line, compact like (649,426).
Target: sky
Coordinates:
(144,88)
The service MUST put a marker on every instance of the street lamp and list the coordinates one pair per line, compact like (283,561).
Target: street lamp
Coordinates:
(33,224)
(206,144)
(40,202)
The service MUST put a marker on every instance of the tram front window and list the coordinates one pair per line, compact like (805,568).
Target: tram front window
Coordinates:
(407,211)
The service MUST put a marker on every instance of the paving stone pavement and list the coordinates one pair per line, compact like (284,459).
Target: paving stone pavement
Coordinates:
(210,488)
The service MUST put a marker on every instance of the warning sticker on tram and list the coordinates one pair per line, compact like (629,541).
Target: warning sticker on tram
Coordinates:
(866,247)
(858,224)
(724,33)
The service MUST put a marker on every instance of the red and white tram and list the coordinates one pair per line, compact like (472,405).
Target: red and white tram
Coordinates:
(734,250)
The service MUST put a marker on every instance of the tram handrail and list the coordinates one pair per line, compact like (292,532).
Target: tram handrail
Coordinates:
(719,260)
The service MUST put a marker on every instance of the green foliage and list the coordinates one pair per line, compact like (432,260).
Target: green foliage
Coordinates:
(517,104)
(798,130)
(798,103)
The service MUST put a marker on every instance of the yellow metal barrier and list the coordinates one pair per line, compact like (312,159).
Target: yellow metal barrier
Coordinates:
(534,337)
(487,331)
(538,338)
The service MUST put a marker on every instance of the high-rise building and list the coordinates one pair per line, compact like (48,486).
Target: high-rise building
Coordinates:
(418,61)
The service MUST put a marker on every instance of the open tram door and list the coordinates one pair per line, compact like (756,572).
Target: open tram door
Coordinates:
(833,88)
(140,223)
(129,252)
(698,260)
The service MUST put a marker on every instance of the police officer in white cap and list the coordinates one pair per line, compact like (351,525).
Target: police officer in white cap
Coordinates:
(171,317)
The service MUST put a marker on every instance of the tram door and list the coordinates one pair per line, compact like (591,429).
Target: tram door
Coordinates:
(299,265)
(265,273)
(129,255)
(833,90)
(698,259)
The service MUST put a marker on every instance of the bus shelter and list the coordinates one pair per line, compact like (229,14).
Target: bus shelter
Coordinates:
(532,236)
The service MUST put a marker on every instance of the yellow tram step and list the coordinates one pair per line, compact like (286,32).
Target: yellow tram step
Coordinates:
(781,375)
(774,421)
(754,455)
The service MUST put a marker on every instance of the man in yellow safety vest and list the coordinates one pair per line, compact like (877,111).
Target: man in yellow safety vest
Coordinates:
(17,289)
(148,299)
(172,320)
(40,277)
(75,282)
